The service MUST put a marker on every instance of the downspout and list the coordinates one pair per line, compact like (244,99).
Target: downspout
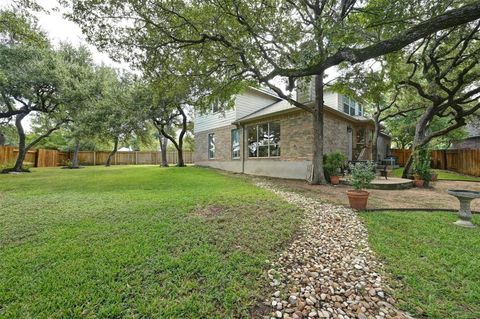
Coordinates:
(243,148)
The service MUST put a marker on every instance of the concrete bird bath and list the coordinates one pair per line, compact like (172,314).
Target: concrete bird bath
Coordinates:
(464,214)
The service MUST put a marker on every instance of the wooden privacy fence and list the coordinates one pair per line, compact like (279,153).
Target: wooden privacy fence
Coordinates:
(463,161)
(53,158)
(37,158)
(132,158)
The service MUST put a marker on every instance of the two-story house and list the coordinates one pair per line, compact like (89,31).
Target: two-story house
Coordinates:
(265,135)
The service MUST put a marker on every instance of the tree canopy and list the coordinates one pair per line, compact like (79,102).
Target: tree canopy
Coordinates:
(265,41)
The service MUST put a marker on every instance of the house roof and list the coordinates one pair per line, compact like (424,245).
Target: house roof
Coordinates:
(283,106)
(269,110)
(265,91)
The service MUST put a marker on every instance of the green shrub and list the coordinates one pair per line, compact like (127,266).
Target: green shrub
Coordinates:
(421,164)
(333,162)
(362,174)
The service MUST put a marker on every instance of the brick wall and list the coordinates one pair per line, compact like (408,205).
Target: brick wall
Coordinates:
(296,137)
(223,144)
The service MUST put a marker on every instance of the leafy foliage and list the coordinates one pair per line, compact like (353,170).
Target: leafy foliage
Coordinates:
(229,42)
(333,162)
(421,164)
(362,174)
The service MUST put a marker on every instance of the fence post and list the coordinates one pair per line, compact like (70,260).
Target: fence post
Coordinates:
(136,158)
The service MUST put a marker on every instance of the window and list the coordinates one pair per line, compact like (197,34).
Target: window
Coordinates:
(350,106)
(252,141)
(346,106)
(217,106)
(263,140)
(236,143)
(211,146)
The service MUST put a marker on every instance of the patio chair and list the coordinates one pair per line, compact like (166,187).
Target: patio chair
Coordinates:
(383,170)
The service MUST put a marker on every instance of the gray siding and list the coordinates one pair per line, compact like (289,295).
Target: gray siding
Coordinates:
(331,99)
(306,95)
(211,121)
(248,102)
(252,101)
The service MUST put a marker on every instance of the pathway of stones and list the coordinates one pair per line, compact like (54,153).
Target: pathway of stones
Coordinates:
(328,271)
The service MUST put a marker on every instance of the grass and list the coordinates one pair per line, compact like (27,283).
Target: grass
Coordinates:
(434,266)
(136,242)
(444,175)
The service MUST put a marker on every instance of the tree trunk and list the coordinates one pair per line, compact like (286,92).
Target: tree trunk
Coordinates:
(75,154)
(318,176)
(408,167)
(22,151)
(163,149)
(376,133)
(112,153)
(22,147)
(179,145)
(420,139)
(181,162)
(2,139)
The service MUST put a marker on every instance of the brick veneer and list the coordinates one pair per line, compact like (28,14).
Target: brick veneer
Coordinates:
(296,137)
(223,144)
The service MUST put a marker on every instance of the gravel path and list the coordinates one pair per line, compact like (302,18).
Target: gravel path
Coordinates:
(328,271)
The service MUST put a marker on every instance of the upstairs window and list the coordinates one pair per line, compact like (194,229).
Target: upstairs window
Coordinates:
(211,146)
(264,140)
(360,110)
(217,106)
(235,143)
(350,106)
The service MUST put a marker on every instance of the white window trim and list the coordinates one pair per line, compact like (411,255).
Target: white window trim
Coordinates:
(239,143)
(262,157)
(208,146)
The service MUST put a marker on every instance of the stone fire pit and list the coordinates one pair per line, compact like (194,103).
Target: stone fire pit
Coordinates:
(464,214)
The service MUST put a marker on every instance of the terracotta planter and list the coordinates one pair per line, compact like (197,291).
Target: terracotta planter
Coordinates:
(358,199)
(418,183)
(335,180)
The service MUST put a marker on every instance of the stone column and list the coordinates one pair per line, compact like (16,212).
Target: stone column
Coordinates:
(465,214)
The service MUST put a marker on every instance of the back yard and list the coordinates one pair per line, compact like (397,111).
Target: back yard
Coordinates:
(136,242)
(150,242)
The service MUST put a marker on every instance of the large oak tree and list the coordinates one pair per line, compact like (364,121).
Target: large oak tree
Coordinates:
(267,40)
(446,76)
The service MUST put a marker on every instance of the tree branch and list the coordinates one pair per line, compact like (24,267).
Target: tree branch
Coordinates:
(449,19)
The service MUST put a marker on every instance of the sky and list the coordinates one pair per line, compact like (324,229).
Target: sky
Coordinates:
(60,29)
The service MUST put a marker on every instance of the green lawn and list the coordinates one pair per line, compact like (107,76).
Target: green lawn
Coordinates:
(433,265)
(136,242)
(444,175)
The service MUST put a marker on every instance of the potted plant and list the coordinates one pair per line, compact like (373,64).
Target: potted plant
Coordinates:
(362,174)
(421,168)
(332,165)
